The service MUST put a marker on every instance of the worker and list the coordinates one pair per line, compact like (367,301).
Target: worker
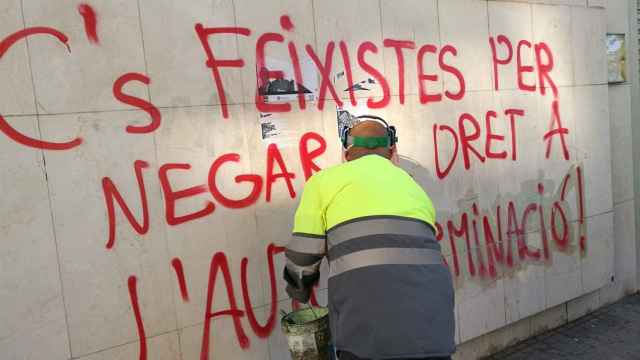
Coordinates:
(390,294)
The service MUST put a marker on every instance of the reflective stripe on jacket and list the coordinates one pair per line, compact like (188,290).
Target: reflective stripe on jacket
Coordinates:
(390,295)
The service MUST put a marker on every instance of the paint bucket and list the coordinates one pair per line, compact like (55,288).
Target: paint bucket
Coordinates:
(308,334)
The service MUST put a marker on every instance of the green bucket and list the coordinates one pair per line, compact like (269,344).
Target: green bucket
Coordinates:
(308,333)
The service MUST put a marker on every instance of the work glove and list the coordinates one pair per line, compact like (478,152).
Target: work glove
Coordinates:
(300,288)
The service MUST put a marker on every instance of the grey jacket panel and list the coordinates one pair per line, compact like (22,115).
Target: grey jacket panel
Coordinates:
(393,311)
(390,294)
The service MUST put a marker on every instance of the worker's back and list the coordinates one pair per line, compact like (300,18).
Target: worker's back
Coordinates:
(390,296)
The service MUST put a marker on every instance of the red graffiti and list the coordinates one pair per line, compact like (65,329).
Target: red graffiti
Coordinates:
(439,172)
(253,196)
(462,87)
(220,266)
(111,193)
(523,69)
(275,157)
(177,267)
(497,61)
(306,156)
(492,136)
(556,129)
(324,69)
(344,51)
(215,64)
(495,252)
(422,77)
(562,241)
(170,196)
(137,102)
(297,74)
(543,226)
(512,114)
(276,169)
(543,64)
(265,74)
(220,263)
(327,89)
(286,23)
(470,131)
(511,247)
(365,47)
(544,68)
(482,268)
(461,231)
(466,139)
(470,225)
(12,39)
(5,127)
(90,22)
(133,295)
(262,331)
(398,46)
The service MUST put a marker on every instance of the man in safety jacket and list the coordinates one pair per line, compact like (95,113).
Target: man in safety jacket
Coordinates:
(390,294)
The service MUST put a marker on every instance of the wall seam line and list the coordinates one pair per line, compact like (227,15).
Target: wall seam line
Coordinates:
(144,51)
(46,179)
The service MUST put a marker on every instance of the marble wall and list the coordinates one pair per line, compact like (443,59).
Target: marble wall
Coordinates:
(544,224)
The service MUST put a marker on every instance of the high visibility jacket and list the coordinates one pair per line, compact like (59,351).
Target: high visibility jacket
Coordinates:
(390,294)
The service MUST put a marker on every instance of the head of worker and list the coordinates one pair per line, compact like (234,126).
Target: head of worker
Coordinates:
(370,137)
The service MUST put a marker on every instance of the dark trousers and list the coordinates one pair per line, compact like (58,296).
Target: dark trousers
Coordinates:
(343,355)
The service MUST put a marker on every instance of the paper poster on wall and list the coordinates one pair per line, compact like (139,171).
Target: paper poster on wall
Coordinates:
(341,83)
(277,130)
(616,58)
(286,89)
(347,115)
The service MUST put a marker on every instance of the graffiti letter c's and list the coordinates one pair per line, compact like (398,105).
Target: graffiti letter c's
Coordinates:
(7,129)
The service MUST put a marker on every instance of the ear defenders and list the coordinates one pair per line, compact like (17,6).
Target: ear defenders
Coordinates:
(369,142)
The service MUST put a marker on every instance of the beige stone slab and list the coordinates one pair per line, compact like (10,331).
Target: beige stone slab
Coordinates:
(598,263)
(621,148)
(16,86)
(94,277)
(416,21)
(474,297)
(262,18)
(464,24)
(589,45)
(223,342)
(30,288)
(513,20)
(180,77)
(163,347)
(593,144)
(334,23)
(552,25)
(82,79)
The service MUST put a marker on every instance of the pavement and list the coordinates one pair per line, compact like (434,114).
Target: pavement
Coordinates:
(609,333)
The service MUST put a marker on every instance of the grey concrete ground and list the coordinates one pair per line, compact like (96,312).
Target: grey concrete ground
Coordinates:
(610,333)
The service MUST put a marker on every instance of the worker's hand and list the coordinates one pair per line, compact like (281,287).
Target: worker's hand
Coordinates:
(301,295)
(297,288)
